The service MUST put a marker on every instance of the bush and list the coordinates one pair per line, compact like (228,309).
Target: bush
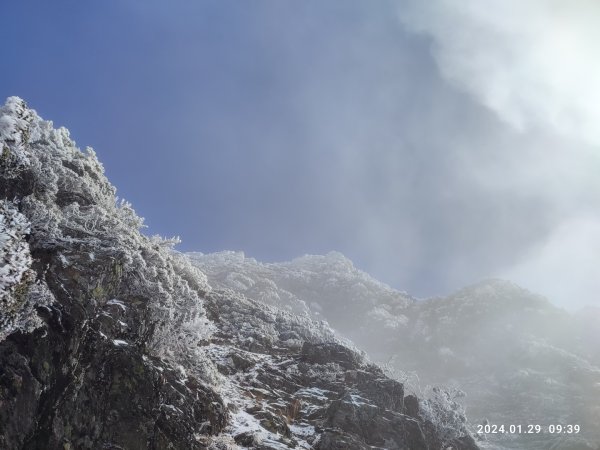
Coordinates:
(440,406)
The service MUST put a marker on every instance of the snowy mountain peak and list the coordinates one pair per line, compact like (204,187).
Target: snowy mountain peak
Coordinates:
(501,293)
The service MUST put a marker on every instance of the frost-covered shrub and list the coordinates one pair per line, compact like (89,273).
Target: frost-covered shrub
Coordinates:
(409,379)
(70,210)
(14,117)
(441,408)
(313,285)
(19,295)
(15,258)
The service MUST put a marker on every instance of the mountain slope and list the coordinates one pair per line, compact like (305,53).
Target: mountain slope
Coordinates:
(111,340)
(323,287)
(518,358)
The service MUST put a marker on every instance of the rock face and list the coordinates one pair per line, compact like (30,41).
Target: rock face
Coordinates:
(85,328)
(518,358)
(111,340)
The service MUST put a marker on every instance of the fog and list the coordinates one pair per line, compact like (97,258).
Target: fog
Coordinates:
(536,66)
(434,144)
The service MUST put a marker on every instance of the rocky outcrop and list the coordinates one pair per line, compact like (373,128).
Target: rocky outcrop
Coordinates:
(83,360)
(517,357)
(111,340)
(319,395)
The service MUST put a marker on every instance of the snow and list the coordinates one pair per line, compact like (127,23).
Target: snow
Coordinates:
(171,408)
(357,400)
(234,390)
(19,293)
(303,429)
(14,251)
(311,285)
(75,207)
(393,321)
(118,303)
(314,392)
(63,260)
(14,116)
(260,306)
(242,422)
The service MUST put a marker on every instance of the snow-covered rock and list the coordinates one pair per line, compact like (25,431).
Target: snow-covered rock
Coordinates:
(111,339)
(514,354)
(20,294)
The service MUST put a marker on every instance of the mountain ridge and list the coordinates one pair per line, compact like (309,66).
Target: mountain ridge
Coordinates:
(109,339)
(492,339)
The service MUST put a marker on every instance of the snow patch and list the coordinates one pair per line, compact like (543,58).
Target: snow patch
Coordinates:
(118,303)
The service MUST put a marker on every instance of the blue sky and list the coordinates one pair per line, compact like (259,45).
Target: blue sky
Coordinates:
(285,128)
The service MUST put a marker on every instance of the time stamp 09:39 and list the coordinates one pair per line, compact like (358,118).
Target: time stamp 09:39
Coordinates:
(528,429)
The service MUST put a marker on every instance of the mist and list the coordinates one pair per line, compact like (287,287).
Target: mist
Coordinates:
(389,213)
(534,65)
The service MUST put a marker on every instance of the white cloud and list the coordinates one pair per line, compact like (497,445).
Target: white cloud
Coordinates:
(565,266)
(536,62)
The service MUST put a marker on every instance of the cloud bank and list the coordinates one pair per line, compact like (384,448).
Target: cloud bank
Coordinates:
(536,64)
(565,266)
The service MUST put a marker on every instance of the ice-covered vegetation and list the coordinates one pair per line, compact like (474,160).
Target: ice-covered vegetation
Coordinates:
(515,355)
(20,294)
(14,251)
(220,350)
(72,209)
(323,287)
(111,339)
(442,407)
